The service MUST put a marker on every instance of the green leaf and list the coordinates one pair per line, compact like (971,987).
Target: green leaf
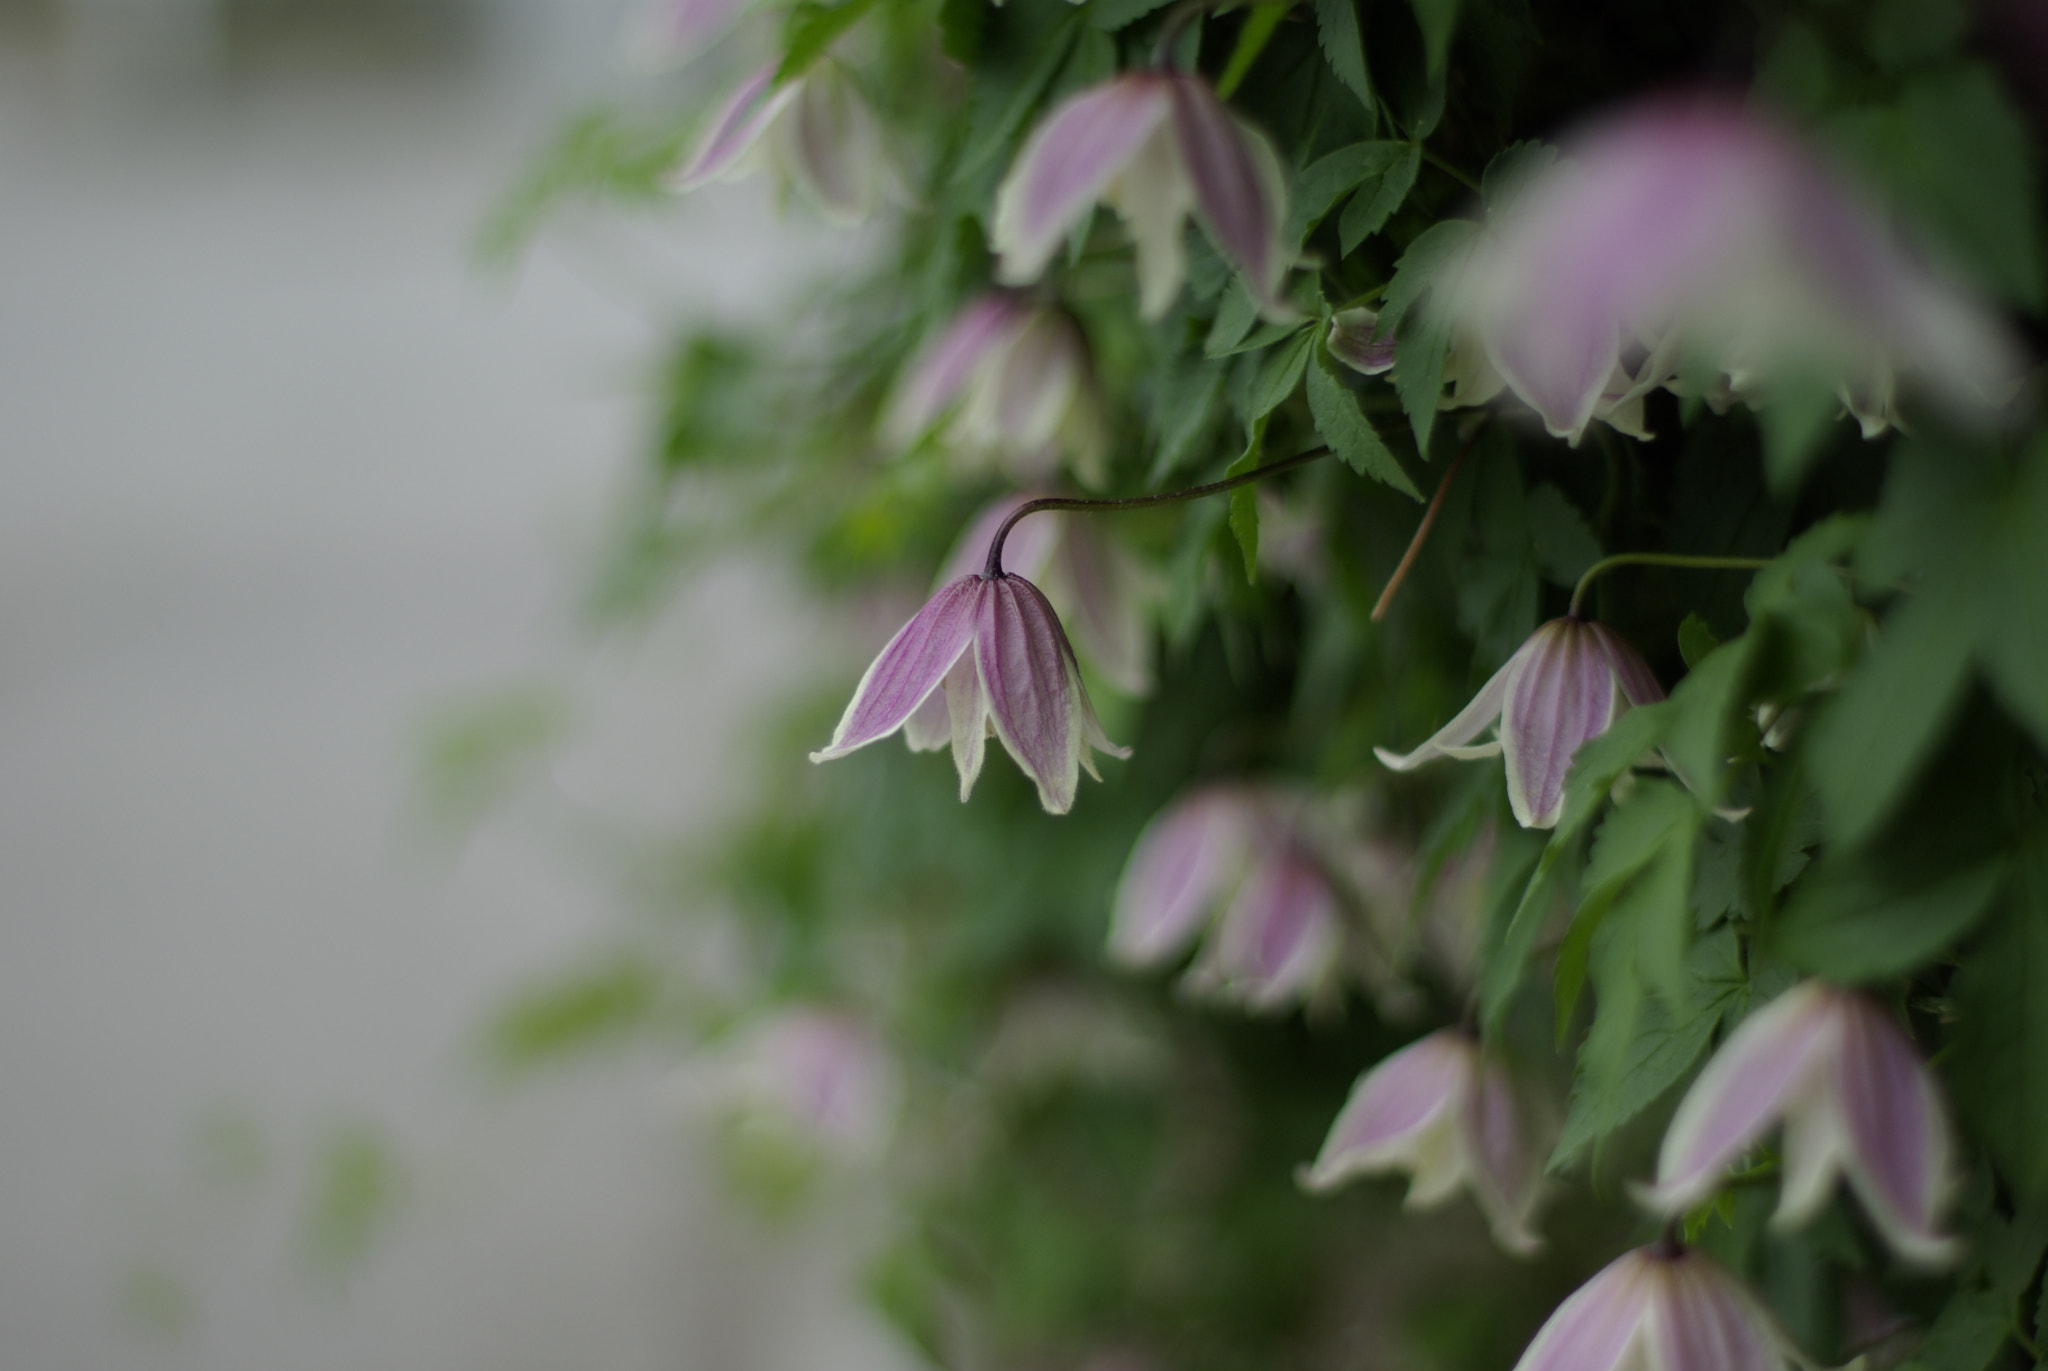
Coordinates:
(1695,640)
(1279,373)
(1438,20)
(1244,505)
(1868,743)
(812,28)
(1640,870)
(1966,1334)
(1797,413)
(1849,925)
(1251,41)
(1344,47)
(1346,429)
(1564,545)
(1510,170)
(1324,181)
(996,134)
(1235,315)
(1964,150)
(1379,195)
(1424,338)
(961,26)
(1182,413)
(1997,1053)
(1111,15)
(2014,642)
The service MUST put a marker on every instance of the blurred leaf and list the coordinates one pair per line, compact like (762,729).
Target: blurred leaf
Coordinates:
(1380,193)
(1849,925)
(358,1189)
(597,156)
(1252,38)
(1512,169)
(1344,47)
(1324,181)
(1236,312)
(1423,336)
(2014,641)
(1565,546)
(1998,1046)
(1970,1330)
(475,752)
(961,26)
(1439,22)
(1695,640)
(1244,504)
(1346,429)
(1279,373)
(1000,113)
(576,1011)
(1111,15)
(810,28)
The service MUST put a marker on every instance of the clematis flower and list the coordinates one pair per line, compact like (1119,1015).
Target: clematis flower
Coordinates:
(1698,229)
(997,650)
(813,1075)
(1356,341)
(1092,580)
(1661,1308)
(1155,146)
(1855,1099)
(1016,381)
(819,134)
(1448,1115)
(1231,859)
(1563,687)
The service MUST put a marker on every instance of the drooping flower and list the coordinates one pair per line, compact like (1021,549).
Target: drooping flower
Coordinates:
(1698,229)
(1016,381)
(1356,341)
(1232,860)
(1662,1308)
(1447,1114)
(815,1076)
(817,132)
(1094,582)
(1856,1101)
(996,649)
(1155,146)
(1563,687)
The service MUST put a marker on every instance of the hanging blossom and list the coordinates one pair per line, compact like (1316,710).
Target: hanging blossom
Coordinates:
(1662,1308)
(1449,1115)
(1697,230)
(816,131)
(1230,859)
(1856,1101)
(1156,146)
(1015,380)
(1563,687)
(1095,584)
(992,648)
(817,1076)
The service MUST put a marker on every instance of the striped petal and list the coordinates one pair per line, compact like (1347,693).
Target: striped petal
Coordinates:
(934,381)
(1502,1162)
(1355,340)
(909,668)
(1239,190)
(1183,861)
(1033,689)
(1153,197)
(1455,737)
(1402,1116)
(735,129)
(1899,1151)
(1276,940)
(1563,695)
(1601,1327)
(1704,1320)
(1066,165)
(831,146)
(1638,683)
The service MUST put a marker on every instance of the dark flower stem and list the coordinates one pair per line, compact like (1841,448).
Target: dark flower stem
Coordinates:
(1606,564)
(1436,505)
(994,566)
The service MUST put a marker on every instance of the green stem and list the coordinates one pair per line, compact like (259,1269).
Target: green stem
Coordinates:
(1453,172)
(1606,564)
(994,566)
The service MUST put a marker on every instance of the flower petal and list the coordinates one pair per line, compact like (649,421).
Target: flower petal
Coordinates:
(1181,863)
(1355,340)
(1899,1157)
(1276,939)
(1563,695)
(1470,722)
(934,381)
(1070,158)
(1024,660)
(1704,1321)
(1239,191)
(1024,387)
(831,146)
(930,725)
(1764,1068)
(1500,1157)
(967,707)
(1598,1327)
(909,668)
(1153,197)
(1638,683)
(1401,1114)
(738,125)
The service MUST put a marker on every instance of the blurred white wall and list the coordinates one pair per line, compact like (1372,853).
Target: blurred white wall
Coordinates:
(282,473)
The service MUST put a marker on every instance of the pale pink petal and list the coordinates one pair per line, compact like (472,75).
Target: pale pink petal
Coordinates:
(1704,1321)
(934,381)
(909,668)
(738,125)
(1603,1322)
(1451,740)
(1638,683)
(1153,196)
(1019,397)
(1764,1068)
(1238,195)
(1355,340)
(1415,1091)
(1506,1177)
(1898,1137)
(1562,696)
(1555,349)
(1177,871)
(967,711)
(831,146)
(1024,659)
(1276,940)
(1065,166)
(930,726)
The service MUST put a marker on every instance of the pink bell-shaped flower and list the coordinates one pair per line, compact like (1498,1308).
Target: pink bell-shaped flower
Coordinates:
(1698,228)
(1856,1101)
(811,1075)
(995,647)
(1567,684)
(1448,1115)
(1662,1308)
(818,132)
(1156,146)
(1015,380)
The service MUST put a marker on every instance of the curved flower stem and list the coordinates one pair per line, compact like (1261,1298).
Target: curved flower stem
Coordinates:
(1436,504)
(994,566)
(1606,564)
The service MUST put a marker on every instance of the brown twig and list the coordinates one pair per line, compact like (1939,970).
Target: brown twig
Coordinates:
(1436,505)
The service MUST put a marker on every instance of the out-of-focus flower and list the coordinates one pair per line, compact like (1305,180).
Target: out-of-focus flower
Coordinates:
(1017,382)
(1155,146)
(1662,1308)
(996,648)
(1294,537)
(817,131)
(1566,685)
(1097,585)
(1279,935)
(1355,340)
(1855,1099)
(1448,1115)
(667,33)
(815,1076)
(1697,230)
